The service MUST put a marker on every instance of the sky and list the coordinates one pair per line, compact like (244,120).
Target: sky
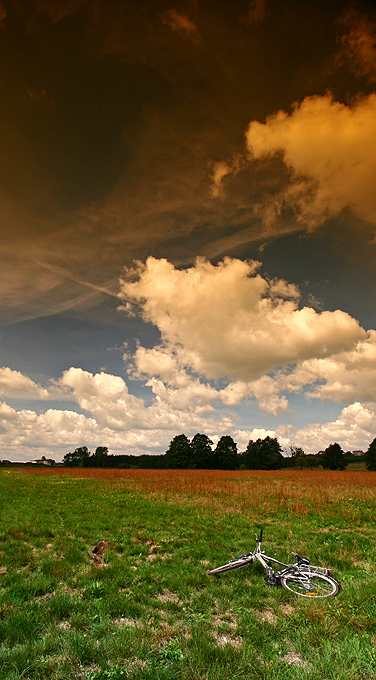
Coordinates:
(188,218)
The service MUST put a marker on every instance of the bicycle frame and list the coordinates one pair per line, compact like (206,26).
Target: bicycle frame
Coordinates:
(298,569)
(265,560)
(299,578)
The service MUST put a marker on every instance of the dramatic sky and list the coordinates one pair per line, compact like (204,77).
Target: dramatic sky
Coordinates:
(188,218)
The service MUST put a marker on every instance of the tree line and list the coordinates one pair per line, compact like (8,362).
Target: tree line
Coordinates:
(198,453)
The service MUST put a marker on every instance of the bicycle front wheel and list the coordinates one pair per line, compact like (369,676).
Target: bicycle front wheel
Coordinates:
(234,564)
(307,584)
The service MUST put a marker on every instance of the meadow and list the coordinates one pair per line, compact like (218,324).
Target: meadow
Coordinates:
(146,609)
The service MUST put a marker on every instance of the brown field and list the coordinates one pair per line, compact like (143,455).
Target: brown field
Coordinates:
(296,491)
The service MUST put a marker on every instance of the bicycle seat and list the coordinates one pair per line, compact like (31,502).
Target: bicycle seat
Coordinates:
(300,559)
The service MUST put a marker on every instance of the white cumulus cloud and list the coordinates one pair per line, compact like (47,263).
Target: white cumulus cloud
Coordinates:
(155,361)
(274,405)
(353,429)
(15,382)
(26,435)
(194,394)
(228,336)
(227,321)
(344,377)
(107,399)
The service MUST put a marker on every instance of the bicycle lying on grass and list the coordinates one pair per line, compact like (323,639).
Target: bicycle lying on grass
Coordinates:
(301,578)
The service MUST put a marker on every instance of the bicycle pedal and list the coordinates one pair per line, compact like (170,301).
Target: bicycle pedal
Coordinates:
(270,581)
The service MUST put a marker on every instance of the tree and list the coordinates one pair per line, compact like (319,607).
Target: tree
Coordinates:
(333,458)
(252,456)
(79,458)
(296,451)
(272,452)
(99,458)
(263,454)
(178,454)
(299,456)
(307,461)
(202,454)
(226,454)
(371,456)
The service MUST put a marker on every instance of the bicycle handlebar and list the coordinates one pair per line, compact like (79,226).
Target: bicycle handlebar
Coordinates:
(259,539)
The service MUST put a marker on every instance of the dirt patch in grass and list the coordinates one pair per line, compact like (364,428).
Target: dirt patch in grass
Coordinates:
(46,597)
(142,540)
(136,664)
(97,553)
(125,622)
(267,616)
(223,636)
(73,591)
(167,596)
(361,564)
(223,639)
(160,556)
(85,672)
(292,658)
(228,620)
(287,609)
(151,557)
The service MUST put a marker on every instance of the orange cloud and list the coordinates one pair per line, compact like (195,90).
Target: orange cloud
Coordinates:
(330,150)
(182,25)
(220,170)
(358,44)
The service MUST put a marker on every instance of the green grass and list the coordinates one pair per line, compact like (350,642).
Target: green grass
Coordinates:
(356,465)
(149,610)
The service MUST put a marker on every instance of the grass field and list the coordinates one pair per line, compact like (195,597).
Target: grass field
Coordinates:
(146,608)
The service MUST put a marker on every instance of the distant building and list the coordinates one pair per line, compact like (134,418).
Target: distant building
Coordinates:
(357,452)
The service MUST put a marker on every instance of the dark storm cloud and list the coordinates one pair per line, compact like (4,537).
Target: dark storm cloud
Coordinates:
(3,14)
(119,118)
(358,43)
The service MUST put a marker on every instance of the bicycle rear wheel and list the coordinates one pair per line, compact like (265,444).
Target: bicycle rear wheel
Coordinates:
(307,584)
(234,564)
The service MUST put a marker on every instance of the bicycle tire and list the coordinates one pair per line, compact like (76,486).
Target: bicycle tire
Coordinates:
(234,564)
(307,584)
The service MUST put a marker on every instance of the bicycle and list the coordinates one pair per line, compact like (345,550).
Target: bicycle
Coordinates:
(300,578)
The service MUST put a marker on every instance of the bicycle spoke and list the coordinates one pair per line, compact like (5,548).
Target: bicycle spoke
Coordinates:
(310,585)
